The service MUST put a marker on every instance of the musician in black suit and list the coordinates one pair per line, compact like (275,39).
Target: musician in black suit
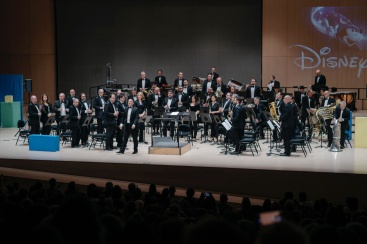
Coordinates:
(218,85)
(182,98)
(273,83)
(170,104)
(260,118)
(307,102)
(130,124)
(252,90)
(143,83)
(71,97)
(46,109)
(208,83)
(98,105)
(110,119)
(226,105)
(141,105)
(178,81)
(34,115)
(160,80)
(187,88)
(320,81)
(133,95)
(155,101)
(121,106)
(86,111)
(298,96)
(214,74)
(74,118)
(238,124)
(61,108)
(328,101)
(287,125)
(342,114)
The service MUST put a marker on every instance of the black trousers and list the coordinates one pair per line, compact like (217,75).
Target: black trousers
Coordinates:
(35,128)
(119,136)
(84,133)
(110,133)
(155,124)
(329,131)
(46,129)
(238,135)
(343,128)
(61,127)
(134,133)
(141,131)
(99,125)
(287,134)
(75,136)
(194,128)
(172,128)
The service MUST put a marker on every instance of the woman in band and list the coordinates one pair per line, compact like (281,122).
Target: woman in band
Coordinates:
(194,106)
(233,90)
(214,110)
(45,114)
(141,105)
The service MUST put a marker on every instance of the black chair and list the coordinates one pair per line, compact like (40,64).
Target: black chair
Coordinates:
(22,131)
(97,137)
(54,129)
(66,136)
(256,134)
(184,130)
(301,140)
(251,141)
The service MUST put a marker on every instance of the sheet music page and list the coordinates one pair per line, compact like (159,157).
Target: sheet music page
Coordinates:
(174,113)
(227,124)
(270,125)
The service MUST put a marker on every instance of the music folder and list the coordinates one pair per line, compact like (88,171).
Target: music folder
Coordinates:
(227,124)
(271,126)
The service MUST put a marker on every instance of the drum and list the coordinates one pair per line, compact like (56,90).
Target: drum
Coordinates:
(349,97)
(237,85)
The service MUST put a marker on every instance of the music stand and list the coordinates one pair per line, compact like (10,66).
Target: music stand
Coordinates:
(50,120)
(273,129)
(207,119)
(322,126)
(228,126)
(249,100)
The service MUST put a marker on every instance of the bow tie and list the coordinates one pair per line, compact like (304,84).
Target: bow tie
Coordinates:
(130,107)
(169,98)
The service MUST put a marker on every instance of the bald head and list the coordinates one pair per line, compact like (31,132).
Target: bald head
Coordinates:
(287,99)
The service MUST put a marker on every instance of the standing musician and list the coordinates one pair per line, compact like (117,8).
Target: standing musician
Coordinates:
(170,104)
(187,88)
(252,90)
(61,109)
(238,124)
(98,105)
(208,83)
(214,109)
(226,105)
(260,118)
(308,102)
(130,123)
(194,106)
(178,81)
(233,90)
(121,106)
(74,118)
(143,83)
(182,98)
(327,102)
(34,115)
(287,125)
(110,118)
(299,95)
(320,81)
(71,97)
(141,105)
(86,109)
(155,100)
(273,84)
(214,73)
(46,109)
(342,114)
(160,80)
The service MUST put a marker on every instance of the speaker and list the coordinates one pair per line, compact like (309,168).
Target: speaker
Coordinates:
(27,85)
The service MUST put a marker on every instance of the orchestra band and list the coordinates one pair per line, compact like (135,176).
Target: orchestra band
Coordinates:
(245,107)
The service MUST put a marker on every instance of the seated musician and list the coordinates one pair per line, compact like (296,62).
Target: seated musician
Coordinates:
(260,118)
(155,100)
(187,88)
(308,102)
(326,102)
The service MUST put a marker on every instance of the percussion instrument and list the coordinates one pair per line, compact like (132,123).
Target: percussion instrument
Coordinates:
(237,85)
(347,96)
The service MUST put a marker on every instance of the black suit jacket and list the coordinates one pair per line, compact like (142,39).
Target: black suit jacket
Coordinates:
(33,116)
(73,117)
(287,118)
(346,116)
(163,81)
(259,111)
(330,101)
(151,99)
(204,88)
(134,116)
(109,118)
(305,105)
(184,99)
(257,92)
(141,107)
(97,104)
(298,98)
(147,84)
(84,108)
(57,105)
(174,104)
(238,117)
(226,106)
(70,100)
(175,84)
(222,87)
(189,92)
(215,76)
(121,108)
(320,84)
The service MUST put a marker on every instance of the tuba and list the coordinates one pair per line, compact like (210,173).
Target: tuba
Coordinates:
(273,111)
(335,146)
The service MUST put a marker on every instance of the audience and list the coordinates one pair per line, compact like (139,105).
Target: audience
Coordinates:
(108,215)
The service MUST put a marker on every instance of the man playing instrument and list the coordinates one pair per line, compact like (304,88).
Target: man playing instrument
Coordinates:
(287,125)
(327,102)
(342,114)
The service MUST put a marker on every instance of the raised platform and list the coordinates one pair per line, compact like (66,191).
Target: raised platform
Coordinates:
(166,146)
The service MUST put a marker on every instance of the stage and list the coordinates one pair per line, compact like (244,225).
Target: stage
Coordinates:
(321,174)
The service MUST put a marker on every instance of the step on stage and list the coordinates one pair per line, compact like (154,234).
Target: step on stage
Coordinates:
(167,146)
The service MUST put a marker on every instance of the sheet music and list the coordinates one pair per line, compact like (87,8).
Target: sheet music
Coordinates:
(227,124)
(174,113)
(277,124)
(270,125)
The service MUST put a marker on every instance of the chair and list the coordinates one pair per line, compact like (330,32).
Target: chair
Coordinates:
(250,140)
(22,132)
(97,137)
(300,140)
(184,130)
(349,131)
(66,136)
(54,129)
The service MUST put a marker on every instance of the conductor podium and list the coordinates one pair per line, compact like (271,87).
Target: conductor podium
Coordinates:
(163,145)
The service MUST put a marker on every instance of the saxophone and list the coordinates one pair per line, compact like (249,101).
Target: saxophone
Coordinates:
(273,111)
